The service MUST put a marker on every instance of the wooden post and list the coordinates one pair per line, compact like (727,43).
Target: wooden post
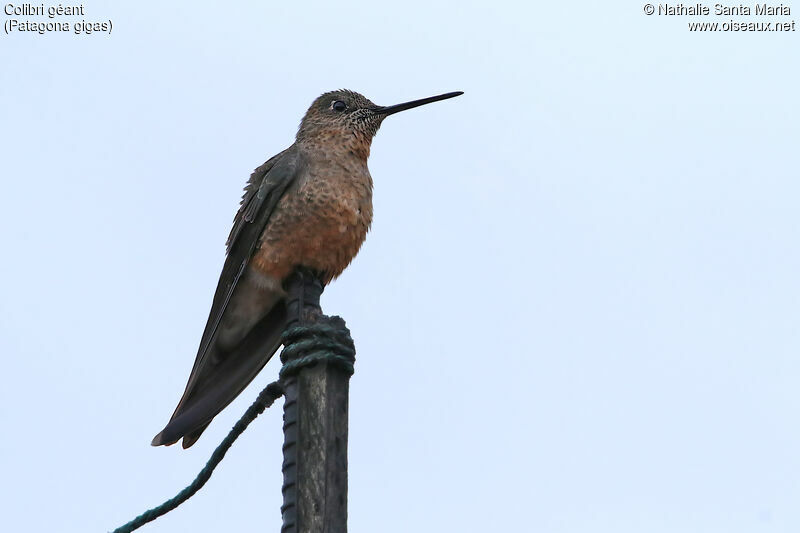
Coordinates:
(314,428)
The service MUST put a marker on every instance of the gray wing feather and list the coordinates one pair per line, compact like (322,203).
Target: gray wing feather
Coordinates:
(266,186)
(273,178)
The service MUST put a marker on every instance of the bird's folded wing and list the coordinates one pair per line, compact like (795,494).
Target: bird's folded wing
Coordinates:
(266,186)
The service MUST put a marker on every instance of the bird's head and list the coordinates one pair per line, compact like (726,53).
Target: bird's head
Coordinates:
(350,117)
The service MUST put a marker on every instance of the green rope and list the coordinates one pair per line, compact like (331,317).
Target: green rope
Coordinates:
(327,340)
(267,397)
(304,345)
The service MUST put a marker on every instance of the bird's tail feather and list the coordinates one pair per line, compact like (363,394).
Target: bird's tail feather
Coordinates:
(224,381)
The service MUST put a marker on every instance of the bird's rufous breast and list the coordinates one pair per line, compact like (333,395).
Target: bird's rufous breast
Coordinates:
(323,223)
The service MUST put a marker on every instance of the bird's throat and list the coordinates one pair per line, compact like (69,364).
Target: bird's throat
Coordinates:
(337,143)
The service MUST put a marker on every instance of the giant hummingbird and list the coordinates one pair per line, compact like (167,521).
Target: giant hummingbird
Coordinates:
(310,207)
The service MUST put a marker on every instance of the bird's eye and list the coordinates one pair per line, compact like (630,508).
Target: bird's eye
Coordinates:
(338,105)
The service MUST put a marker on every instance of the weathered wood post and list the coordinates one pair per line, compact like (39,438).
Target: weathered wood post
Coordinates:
(314,428)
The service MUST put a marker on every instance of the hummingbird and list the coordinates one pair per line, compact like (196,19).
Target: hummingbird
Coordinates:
(309,206)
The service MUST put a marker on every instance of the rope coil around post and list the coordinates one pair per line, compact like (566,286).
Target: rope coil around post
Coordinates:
(304,345)
(326,340)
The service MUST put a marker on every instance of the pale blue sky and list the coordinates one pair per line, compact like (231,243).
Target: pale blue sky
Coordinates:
(577,310)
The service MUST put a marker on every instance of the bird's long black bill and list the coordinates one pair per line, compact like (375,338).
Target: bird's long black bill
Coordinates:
(389,110)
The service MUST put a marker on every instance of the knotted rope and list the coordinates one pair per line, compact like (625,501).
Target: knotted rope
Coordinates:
(327,340)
